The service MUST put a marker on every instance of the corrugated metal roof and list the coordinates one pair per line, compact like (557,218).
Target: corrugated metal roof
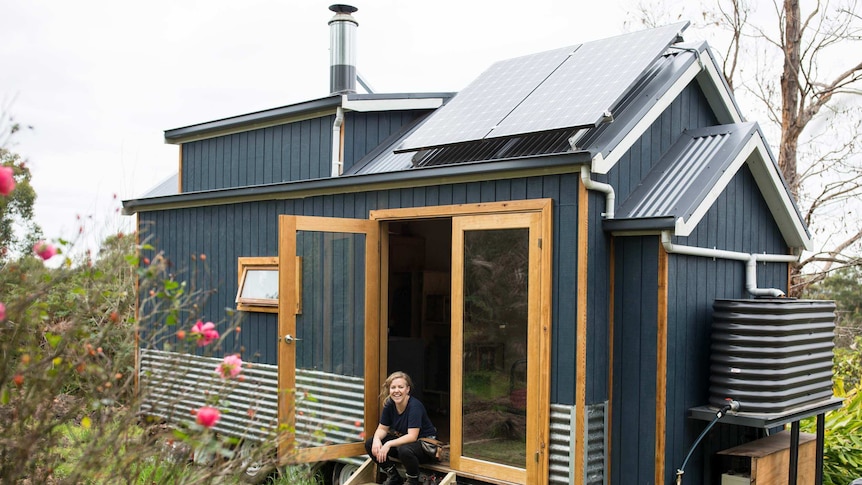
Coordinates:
(678,184)
(170,186)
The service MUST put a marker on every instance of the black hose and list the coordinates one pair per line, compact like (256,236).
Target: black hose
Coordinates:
(731,405)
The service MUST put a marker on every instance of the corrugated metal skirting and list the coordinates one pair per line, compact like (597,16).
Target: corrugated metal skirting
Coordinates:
(330,406)
(562,464)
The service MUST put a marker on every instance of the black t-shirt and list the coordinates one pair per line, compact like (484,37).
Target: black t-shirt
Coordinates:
(414,416)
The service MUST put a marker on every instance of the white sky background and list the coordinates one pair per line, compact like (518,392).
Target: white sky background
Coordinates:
(101,80)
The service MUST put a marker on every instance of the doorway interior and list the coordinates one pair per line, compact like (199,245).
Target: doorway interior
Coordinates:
(419,310)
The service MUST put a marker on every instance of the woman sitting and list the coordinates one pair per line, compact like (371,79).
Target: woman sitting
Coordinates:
(403,421)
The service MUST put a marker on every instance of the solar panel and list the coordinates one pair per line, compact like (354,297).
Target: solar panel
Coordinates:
(474,111)
(569,87)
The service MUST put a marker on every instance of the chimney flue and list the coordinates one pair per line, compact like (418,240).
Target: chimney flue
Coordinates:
(342,50)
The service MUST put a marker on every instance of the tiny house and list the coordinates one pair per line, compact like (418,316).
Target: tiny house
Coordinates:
(541,252)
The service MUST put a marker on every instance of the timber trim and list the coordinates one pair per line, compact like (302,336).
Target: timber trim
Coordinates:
(661,367)
(581,344)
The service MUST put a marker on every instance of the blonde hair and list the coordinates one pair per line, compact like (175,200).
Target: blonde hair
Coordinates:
(384,392)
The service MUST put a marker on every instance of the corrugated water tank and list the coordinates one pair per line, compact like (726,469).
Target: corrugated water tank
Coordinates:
(771,355)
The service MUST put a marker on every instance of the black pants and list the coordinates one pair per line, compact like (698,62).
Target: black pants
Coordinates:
(410,455)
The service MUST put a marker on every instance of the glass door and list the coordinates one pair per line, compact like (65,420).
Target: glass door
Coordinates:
(496,338)
(328,311)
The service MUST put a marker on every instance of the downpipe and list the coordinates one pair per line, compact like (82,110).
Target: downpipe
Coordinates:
(337,164)
(750,261)
(607,189)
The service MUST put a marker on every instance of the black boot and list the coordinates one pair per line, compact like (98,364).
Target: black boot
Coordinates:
(411,480)
(392,476)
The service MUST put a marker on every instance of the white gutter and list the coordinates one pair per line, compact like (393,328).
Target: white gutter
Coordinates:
(607,189)
(337,164)
(749,259)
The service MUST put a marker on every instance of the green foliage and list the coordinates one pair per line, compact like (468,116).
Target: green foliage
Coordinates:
(844,286)
(842,450)
(68,406)
(16,210)
(848,365)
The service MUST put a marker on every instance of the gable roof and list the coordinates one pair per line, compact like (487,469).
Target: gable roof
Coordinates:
(678,206)
(679,190)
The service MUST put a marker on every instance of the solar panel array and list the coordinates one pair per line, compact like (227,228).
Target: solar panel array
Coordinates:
(570,87)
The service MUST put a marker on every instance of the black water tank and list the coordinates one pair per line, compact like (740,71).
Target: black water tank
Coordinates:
(771,355)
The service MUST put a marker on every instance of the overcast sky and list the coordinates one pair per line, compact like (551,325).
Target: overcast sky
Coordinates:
(101,80)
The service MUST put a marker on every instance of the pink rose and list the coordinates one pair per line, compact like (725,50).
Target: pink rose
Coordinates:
(207,416)
(44,250)
(204,333)
(230,367)
(2,312)
(7,181)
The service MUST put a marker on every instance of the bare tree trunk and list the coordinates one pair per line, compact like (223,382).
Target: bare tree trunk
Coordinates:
(790,92)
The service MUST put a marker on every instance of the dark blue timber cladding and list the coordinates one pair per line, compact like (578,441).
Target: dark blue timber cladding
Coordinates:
(598,306)
(688,111)
(738,221)
(227,232)
(564,296)
(364,132)
(634,371)
(294,151)
(221,234)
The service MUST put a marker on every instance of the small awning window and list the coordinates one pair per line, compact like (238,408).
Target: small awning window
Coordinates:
(258,284)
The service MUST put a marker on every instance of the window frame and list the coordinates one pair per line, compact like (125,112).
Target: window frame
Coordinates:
(250,263)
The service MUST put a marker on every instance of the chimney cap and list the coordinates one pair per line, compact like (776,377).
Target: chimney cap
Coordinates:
(343,8)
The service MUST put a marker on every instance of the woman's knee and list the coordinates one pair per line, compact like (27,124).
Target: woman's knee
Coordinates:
(410,451)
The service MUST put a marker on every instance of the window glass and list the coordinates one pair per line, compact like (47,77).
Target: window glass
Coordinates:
(258,284)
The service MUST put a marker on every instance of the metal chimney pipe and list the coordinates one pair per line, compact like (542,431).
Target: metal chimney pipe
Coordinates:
(342,49)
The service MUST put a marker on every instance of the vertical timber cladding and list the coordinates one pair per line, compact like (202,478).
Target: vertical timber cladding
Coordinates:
(739,220)
(636,284)
(225,232)
(593,333)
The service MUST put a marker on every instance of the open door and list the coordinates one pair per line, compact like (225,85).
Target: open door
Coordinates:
(329,270)
(498,361)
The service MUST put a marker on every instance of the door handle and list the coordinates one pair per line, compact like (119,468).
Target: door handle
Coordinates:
(289,339)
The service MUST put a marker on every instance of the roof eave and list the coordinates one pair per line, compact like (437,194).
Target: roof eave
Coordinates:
(701,68)
(756,155)
(445,174)
(306,110)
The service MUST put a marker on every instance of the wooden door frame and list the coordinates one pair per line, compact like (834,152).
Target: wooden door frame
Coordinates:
(541,390)
(287,273)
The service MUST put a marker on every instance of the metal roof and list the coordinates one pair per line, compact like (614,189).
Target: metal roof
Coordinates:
(307,109)
(684,184)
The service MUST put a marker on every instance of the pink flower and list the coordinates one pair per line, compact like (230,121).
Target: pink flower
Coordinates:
(230,367)
(44,250)
(2,312)
(7,181)
(204,333)
(207,416)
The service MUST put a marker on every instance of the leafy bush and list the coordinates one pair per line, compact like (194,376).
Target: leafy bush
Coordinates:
(842,449)
(68,406)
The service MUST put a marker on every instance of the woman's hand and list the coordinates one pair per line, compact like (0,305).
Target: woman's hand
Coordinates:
(381,451)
